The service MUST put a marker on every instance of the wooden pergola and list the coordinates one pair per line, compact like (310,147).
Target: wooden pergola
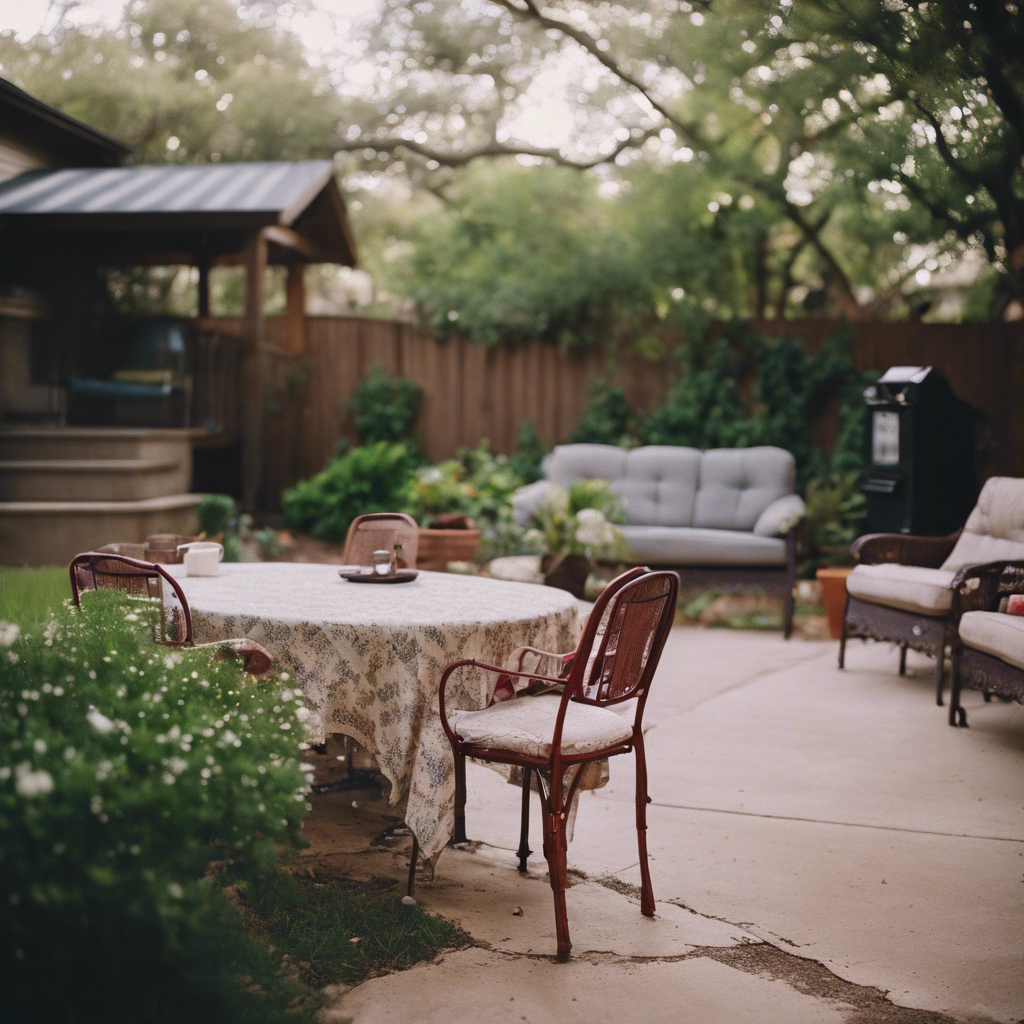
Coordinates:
(57,224)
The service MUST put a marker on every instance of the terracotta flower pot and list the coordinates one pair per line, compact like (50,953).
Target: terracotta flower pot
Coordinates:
(833,595)
(439,547)
(567,572)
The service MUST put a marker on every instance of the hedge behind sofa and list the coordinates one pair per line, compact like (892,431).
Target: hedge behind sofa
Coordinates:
(725,517)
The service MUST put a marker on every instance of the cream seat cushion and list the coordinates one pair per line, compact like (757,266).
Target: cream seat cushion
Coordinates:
(907,587)
(994,633)
(525,725)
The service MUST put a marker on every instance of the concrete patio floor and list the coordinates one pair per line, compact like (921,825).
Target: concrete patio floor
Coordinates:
(823,848)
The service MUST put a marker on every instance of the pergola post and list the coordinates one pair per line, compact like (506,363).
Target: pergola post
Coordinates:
(254,369)
(295,310)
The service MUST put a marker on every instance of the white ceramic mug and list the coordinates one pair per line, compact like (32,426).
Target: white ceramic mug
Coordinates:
(202,557)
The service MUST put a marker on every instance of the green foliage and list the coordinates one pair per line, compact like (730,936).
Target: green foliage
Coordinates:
(341,931)
(529,454)
(386,409)
(579,521)
(836,507)
(789,387)
(607,417)
(28,596)
(125,769)
(218,517)
(372,478)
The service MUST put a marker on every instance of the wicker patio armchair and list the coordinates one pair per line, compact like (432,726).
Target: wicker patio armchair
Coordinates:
(902,589)
(988,654)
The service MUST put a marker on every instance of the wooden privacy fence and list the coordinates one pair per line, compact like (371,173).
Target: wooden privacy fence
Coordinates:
(472,392)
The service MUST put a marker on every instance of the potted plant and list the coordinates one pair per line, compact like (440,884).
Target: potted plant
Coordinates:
(439,499)
(573,528)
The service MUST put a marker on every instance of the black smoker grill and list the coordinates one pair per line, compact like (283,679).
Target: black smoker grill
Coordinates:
(921,476)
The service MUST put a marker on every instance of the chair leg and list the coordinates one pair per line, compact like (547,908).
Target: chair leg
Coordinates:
(459,830)
(524,828)
(903,659)
(642,800)
(555,851)
(787,614)
(413,858)
(940,672)
(957,715)
(842,637)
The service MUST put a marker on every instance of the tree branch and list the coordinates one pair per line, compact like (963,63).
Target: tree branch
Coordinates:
(969,176)
(460,159)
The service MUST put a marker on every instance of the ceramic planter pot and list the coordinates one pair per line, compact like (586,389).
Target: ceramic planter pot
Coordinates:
(833,596)
(567,572)
(439,547)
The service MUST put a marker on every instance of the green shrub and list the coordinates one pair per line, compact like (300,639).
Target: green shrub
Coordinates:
(386,409)
(836,507)
(529,454)
(607,417)
(373,478)
(218,516)
(125,769)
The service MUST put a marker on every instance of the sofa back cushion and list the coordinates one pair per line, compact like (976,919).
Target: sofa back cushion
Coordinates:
(571,462)
(994,531)
(738,484)
(660,486)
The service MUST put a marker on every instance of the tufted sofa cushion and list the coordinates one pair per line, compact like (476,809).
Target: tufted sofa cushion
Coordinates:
(669,545)
(571,462)
(738,484)
(660,485)
(994,531)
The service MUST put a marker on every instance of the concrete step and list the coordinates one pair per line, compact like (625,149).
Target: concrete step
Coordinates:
(73,443)
(53,532)
(92,479)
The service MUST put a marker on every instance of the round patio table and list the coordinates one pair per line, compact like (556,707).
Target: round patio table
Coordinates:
(369,657)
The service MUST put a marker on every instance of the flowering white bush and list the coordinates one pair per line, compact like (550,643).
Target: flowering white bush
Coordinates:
(578,521)
(125,769)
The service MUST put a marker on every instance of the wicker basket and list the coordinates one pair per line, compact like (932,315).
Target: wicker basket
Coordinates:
(439,547)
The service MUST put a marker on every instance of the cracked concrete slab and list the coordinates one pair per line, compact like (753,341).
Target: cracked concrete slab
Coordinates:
(491,988)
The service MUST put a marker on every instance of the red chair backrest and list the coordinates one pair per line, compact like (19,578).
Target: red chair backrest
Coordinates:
(619,664)
(106,570)
(381,531)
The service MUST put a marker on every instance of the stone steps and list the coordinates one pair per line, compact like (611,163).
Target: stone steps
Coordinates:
(67,490)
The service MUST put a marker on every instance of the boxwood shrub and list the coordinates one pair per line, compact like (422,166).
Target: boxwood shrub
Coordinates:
(126,769)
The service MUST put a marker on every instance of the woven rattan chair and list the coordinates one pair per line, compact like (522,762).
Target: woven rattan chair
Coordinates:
(552,734)
(381,531)
(107,570)
(988,654)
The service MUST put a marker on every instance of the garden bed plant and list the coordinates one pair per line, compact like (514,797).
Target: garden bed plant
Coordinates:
(136,781)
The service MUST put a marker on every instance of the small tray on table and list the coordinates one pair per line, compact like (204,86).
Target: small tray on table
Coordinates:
(401,576)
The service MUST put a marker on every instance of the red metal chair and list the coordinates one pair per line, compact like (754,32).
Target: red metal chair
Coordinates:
(551,734)
(381,531)
(109,570)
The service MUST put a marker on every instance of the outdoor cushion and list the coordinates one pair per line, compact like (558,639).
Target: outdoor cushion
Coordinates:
(660,485)
(994,531)
(670,545)
(780,516)
(571,462)
(738,484)
(907,587)
(526,725)
(994,633)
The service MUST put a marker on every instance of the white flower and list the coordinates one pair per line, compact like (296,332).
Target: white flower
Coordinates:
(175,890)
(302,714)
(590,515)
(556,499)
(8,633)
(99,721)
(31,783)
(13,658)
(177,764)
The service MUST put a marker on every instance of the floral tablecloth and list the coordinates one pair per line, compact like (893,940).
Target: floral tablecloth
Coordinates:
(369,657)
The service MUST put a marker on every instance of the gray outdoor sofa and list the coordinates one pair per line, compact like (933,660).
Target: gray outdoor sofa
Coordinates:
(724,518)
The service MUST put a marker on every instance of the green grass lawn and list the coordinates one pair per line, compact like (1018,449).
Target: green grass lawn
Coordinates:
(28,595)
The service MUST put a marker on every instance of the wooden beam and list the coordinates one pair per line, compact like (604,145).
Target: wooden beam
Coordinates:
(254,370)
(295,311)
(290,239)
(203,263)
